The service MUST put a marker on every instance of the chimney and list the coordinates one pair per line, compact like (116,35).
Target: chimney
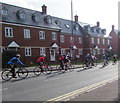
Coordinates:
(98,24)
(76,18)
(44,9)
(112,27)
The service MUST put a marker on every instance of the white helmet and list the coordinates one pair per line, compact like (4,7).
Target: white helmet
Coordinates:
(17,55)
(43,55)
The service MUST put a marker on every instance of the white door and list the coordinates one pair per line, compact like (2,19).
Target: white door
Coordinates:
(52,55)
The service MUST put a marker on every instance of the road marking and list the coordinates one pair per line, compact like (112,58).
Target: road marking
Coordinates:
(3,89)
(81,90)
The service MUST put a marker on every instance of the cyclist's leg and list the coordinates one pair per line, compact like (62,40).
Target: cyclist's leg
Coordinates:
(13,70)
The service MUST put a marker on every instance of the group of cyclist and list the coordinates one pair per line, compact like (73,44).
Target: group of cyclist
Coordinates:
(64,60)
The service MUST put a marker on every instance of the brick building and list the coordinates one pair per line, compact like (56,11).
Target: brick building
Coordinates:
(115,40)
(32,33)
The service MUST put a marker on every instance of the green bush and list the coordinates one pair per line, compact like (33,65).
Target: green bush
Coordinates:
(6,56)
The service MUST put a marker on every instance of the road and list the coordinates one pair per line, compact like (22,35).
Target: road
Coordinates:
(47,87)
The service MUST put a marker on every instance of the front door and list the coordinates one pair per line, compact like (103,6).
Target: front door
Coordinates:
(52,54)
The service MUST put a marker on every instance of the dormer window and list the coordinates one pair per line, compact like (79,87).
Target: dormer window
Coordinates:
(21,14)
(48,20)
(104,31)
(4,11)
(87,27)
(67,26)
(94,30)
(99,30)
(76,27)
(36,17)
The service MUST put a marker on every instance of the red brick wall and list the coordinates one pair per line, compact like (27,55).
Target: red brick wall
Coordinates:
(114,41)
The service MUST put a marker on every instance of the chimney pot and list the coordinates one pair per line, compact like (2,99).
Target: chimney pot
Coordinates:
(112,27)
(76,18)
(44,9)
(98,24)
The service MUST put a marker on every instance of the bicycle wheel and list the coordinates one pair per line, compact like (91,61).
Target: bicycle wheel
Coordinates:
(95,64)
(48,70)
(71,67)
(22,73)
(61,69)
(37,71)
(84,66)
(6,75)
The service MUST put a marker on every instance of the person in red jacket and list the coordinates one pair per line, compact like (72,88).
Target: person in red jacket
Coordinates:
(41,60)
(61,60)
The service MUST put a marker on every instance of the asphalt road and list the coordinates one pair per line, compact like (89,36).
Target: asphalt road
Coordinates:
(46,87)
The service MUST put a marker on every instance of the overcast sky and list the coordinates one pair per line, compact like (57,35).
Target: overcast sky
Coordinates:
(89,11)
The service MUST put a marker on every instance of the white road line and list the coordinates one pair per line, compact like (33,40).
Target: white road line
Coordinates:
(3,89)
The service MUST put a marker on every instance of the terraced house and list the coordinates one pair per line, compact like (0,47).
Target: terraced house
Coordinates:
(32,33)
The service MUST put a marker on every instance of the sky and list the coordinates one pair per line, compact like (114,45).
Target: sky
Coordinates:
(88,11)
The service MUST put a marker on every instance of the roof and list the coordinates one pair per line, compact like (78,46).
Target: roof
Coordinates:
(57,23)
(68,26)
(13,44)
(93,30)
(13,17)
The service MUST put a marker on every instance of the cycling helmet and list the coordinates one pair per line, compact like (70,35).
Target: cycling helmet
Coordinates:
(43,55)
(17,55)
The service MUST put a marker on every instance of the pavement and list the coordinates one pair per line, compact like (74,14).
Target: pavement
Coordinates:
(107,92)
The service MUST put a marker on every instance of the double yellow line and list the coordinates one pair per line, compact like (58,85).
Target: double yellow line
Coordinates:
(81,90)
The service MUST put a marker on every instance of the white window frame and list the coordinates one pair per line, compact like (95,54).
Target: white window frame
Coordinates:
(54,36)
(92,40)
(103,41)
(42,35)
(62,38)
(42,51)
(108,41)
(22,15)
(63,51)
(80,51)
(98,51)
(4,12)
(98,40)
(103,51)
(26,33)
(8,32)
(71,39)
(28,51)
(80,40)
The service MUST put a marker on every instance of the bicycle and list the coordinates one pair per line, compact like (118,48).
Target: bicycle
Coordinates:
(86,65)
(104,63)
(7,73)
(45,69)
(67,66)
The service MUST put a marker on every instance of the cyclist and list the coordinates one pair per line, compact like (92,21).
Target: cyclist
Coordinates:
(66,59)
(41,61)
(105,59)
(88,60)
(61,62)
(114,59)
(93,60)
(15,60)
